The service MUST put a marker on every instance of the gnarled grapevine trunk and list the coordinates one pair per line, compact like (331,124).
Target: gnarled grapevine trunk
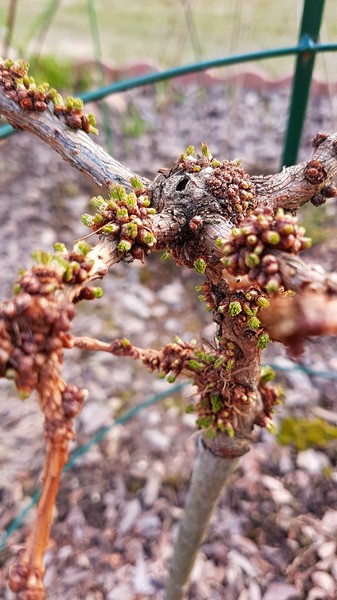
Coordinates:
(210,215)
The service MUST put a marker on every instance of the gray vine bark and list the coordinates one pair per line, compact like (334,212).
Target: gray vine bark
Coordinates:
(211,474)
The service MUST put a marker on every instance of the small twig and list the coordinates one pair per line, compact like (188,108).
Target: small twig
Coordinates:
(74,146)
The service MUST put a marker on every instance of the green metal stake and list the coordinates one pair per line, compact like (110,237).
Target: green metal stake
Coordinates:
(310,27)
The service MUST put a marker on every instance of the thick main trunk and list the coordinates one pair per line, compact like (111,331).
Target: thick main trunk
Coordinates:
(211,475)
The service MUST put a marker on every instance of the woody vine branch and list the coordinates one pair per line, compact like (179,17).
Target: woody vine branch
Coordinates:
(238,231)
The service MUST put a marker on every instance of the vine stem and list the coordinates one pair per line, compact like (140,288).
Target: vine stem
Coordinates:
(211,475)
(56,459)
(27,572)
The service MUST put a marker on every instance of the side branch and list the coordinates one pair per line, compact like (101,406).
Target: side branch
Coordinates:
(309,181)
(75,147)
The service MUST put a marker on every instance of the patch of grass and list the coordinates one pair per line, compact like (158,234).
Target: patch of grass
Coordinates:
(59,73)
(306,433)
(133,125)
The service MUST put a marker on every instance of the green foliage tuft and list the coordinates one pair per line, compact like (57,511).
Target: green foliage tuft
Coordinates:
(306,433)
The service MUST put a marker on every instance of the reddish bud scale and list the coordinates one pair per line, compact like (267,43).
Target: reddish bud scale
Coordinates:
(22,89)
(126,218)
(248,252)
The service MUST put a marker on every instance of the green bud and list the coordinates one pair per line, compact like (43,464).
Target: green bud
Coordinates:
(218,362)
(263,341)
(131,200)
(16,289)
(56,98)
(166,255)
(190,408)
(270,427)
(210,433)
(227,249)
(229,365)
(43,88)
(205,151)
(60,247)
(82,247)
(209,358)
(248,310)
(267,374)
(148,239)
(272,286)
(68,272)
(91,119)
(124,246)
(252,260)
(215,163)
(111,205)
(190,151)
(219,242)
(136,183)
(171,378)
(10,374)
(42,256)
(251,239)
(74,103)
(130,230)
(216,403)
(229,429)
(97,292)
(200,266)
(195,365)
(263,302)
(204,422)
(110,228)
(122,214)
(234,309)
(272,237)
(196,168)
(118,193)
(246,229)
(78,104)
(253,323)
